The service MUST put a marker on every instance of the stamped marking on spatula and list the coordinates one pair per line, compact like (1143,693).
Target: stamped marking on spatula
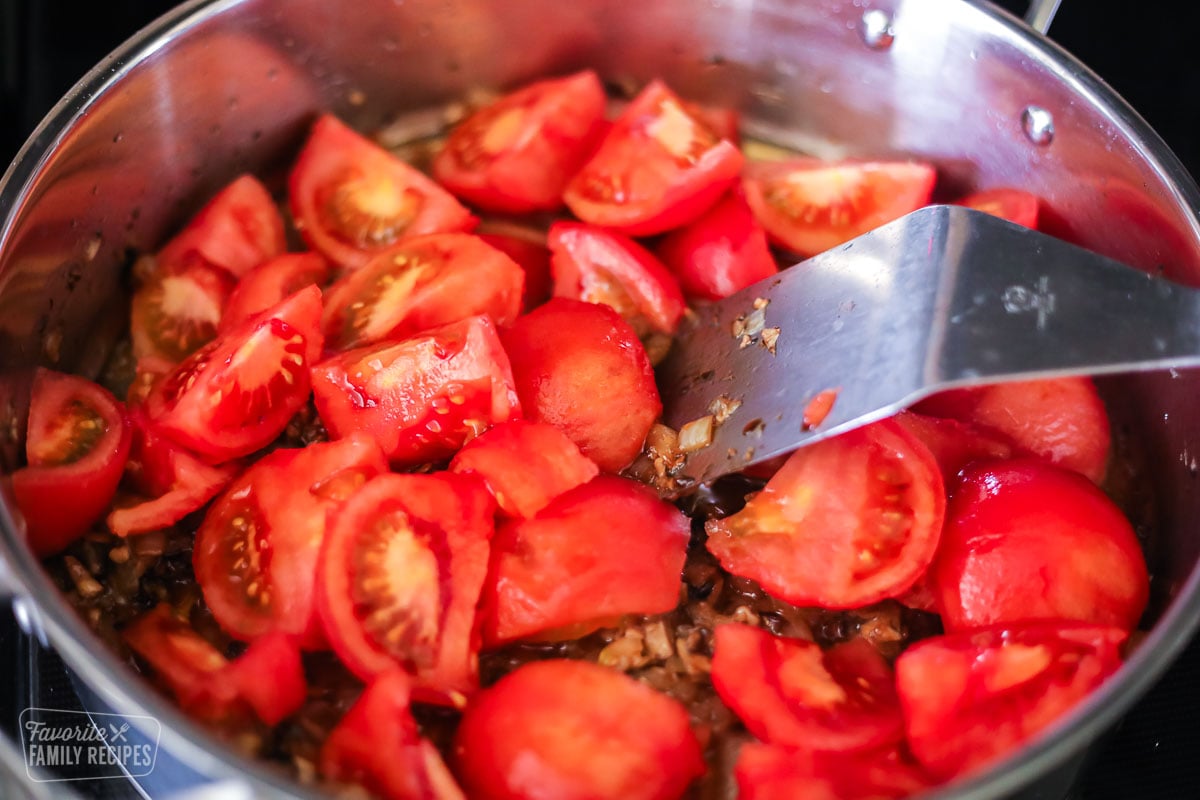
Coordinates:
(1020,299)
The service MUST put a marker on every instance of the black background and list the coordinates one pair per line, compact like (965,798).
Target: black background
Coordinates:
(1149,57)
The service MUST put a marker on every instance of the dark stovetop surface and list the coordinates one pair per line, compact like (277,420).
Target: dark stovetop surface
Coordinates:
(45,45)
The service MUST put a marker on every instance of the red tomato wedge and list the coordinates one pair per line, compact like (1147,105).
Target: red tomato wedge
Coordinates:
(525,465)
(580,367)
(517,154)
(790,692)
(722,251)
(178,310)
(972,698)
(723,121)
(77,443)
(351,198)
(658,167)
(845,522)
(419,284)
(1013,205)
(400,576)
(572,730)
(1062,420)
(376,745)
(954,444)
(255,555)
(237,394)
(558,569)
(238,229)
(769,772)
(272,282)
(174,482)
(1025,540)
(809,206)
(268,678)
(422,398)
(599,266)
(533,258)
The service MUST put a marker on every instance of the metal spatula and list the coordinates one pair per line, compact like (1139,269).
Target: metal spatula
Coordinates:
(943,297)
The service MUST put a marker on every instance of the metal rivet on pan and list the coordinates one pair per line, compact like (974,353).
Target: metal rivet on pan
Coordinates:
(877,30)
(1038,125)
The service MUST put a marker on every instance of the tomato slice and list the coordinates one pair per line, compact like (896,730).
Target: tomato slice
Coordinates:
(533,258)
(1062,420)
(267,679)
(525,465)
(272,282)
(599,266)
(174,481)
(723,121)
(845,522)
(255,555)
(658,167)
(178,310)
(351,198)
(558,569)
(238,229)
(377,746)
(954,444)
(423,397)
(721,252)
(237,394)
(972,698)
(1013,205)
(809,206)
(517,154)
(790,692)
(421,283)
(573,730)
(769,772)
(453,508)
(77,443)
(575,364)
(1025,540)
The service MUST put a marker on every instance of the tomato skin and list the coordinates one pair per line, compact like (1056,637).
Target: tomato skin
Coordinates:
(1062,420)
(178,310)
(1014,205)
(525,465)
(557,569)
(599,266)
(788,692)
(337,158)
(238,393)
(770,772)
(270,283)
(423,397)
(255,555)
(954,444)
(658,167)
(534,260)
(377,745)
(517,154)
(237,230)
(626,740)
(1025,540)
(721,252)
(573,364)
(269,676)
(421,283)
(809,206)
(875,491)
(972,698)
(66,459)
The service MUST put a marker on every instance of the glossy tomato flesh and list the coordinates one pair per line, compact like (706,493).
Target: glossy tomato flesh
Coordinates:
(423,397)
(272,282)
(178,310)
(76,446)
(574,730)
(1025,540)
(1013,205)
(532,256)
(770,772)
(954,444)
(845,522)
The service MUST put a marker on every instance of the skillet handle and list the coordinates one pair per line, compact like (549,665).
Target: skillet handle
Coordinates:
(1041,14)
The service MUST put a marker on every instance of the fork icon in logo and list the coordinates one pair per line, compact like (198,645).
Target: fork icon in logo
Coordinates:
(118,734)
